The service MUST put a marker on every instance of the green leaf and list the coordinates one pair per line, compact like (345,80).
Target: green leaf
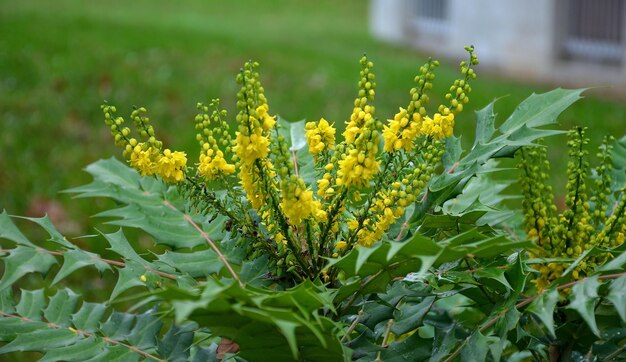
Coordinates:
(31,304)
(80,351)
(244,314)
(617,296)
(176,342)
(519,130)
(413,348)
(614,264)
(541,109)
(543,307)
(121,246)
(24,260)
(485,119)
(9,231)
(7,304)
(128,277)
(76,259)
(115,353)
(200,263)
(476,348)
(55,235)
(452,152)
(493,274)
(147,327)
(60,307)
(41,340)
(254,272)
(409,317)
(584,297)
(89,316)
(118,326)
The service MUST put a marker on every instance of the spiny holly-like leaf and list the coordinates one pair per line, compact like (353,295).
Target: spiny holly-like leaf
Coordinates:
(88,317)
(63,333)
(147,327)
(453,152)
(617,296)
(129,276)
(6,301)
(476,348)
(584,298)
(543,307)
(409,317)
(200,263)
(149,205)
(519,130)
(121,246)
(9,231)
(176,342)
(24,260)
(82,350)
(55,235)
(377,265)
(485,119)
(75,259)
(495,275)
(31,304)
(281,317)
(541,109)
(41,340)
(60,307)
(413,348)
(254,272)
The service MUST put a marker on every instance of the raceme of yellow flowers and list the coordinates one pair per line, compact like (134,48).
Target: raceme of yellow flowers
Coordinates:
(364,182)
(596,221)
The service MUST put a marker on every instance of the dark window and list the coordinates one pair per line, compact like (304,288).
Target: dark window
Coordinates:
(594,30)
(432,9)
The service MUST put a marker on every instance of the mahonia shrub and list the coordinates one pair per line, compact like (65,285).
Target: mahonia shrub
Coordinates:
(356,192)
(593,223)
(287,241)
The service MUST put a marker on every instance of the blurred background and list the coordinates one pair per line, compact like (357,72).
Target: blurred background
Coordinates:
(60,60)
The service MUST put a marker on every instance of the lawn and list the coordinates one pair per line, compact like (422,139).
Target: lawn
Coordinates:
(59,60)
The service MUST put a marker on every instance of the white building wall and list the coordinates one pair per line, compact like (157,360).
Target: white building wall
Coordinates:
(515,37)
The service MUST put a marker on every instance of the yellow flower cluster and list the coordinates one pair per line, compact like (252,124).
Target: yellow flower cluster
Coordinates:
(146,157)
(401,131)
(149,161)
(213,164)
(297,202)
(358,167)
(387,208)
(438,127)
(251,145)
(320,136)
(212,159)
(171,166)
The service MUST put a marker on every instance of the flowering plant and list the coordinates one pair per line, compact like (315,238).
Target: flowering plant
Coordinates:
(285,241)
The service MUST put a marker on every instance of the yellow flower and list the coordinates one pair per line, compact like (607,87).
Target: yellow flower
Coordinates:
(358,119)
(439,126)
(358,168)
(399,133)
(320,136)
(210,167)
(267,121)
(171,166)
(250,148)
(297,203)
(142,160)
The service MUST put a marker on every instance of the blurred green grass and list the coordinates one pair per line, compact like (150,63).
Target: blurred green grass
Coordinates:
(59,60)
